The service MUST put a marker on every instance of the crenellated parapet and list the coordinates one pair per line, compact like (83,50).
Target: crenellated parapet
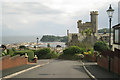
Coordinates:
(93,24)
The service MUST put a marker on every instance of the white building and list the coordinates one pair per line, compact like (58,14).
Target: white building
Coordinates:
(119,12)
(116,36)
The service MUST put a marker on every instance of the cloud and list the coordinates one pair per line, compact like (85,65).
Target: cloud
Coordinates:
(52,16)
(28,8)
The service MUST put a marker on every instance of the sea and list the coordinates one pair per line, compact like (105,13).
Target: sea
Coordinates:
(22,39)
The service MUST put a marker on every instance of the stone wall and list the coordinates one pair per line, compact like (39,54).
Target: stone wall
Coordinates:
(93,24)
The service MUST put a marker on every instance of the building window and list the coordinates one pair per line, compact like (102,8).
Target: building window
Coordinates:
(116,36)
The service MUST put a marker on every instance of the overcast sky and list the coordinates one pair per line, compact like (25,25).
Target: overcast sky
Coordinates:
(28,18)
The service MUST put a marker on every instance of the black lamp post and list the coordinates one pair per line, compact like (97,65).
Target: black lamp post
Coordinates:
(110,12)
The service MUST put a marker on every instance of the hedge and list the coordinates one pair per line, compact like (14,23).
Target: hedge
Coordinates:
(30,54)
(73,50)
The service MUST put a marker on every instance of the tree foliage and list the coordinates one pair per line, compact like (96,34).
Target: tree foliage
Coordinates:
(45,53)
(22,47)
(73,50)
(100,46)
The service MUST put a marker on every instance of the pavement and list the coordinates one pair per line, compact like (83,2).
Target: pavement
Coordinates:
(100,73)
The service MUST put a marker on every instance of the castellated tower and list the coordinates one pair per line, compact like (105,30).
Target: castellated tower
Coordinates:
(93,25)
(94,21)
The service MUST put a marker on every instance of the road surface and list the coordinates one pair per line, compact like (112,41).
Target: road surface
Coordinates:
(56,69)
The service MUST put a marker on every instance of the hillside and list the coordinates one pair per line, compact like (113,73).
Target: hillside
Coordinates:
(102,30)
(51,38)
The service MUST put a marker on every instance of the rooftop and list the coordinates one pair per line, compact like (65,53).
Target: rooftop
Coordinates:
(116,26)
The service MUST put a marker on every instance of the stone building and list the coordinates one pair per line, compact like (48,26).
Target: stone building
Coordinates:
(93,24)
(82,37)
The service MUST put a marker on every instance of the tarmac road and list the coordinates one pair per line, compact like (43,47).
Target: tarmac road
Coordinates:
(56,69)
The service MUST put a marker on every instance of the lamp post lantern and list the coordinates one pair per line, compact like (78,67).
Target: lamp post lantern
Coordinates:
(110,12)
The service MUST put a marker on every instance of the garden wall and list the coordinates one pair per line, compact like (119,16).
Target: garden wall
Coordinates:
(114,63)
(10,62)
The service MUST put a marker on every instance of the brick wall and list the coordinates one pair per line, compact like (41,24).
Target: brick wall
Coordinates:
(103,62)
(114,65)
(10,62)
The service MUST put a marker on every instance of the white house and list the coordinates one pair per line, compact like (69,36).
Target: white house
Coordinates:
(116,36)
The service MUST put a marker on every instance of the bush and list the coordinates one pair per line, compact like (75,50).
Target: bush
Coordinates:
(13,49)
(46,53)
(10,52)
(42,53)
(4,52)
(73,50)
(85,45)
(100,46)
(69,57)
(30,54)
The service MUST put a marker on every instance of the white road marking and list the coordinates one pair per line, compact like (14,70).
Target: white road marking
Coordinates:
(17,73)
(92,76)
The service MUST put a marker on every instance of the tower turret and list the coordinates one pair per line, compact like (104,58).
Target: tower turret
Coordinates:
(94,21)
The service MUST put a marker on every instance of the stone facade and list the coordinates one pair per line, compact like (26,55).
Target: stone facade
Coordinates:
(82,37)
(93,25)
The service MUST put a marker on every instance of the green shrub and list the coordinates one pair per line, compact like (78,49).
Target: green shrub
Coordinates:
(4,52)
(54,55)
(13,49)
(42,53)
(10,52)
(73,50)
(46,53)
(85,45)
(69,57)
(30,54)
(100,46)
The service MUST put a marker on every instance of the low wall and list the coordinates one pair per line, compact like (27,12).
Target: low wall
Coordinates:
(114,64)
(102,62)
(91,58)
(10,62)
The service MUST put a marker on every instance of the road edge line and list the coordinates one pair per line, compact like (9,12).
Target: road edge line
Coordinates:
(22,71)
(88,72)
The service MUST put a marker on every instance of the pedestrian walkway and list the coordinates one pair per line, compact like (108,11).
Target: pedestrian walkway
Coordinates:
(99,72)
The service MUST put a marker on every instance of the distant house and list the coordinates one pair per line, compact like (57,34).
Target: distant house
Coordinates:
(116,36)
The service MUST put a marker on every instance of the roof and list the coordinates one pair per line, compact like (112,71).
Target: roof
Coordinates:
(116,26)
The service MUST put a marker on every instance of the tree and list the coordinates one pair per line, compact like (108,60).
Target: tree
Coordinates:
(22,47)
(58,46)
(48,45)
(3,46)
